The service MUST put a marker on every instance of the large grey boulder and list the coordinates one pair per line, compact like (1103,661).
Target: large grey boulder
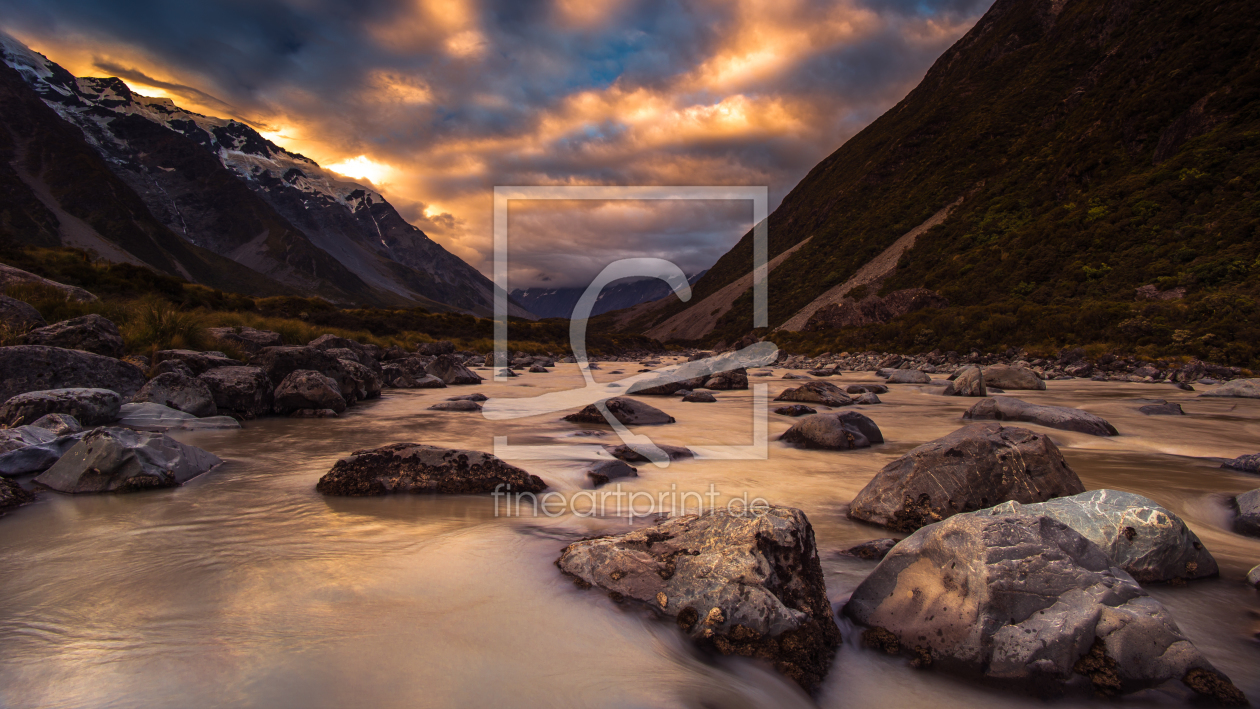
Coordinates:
(122,460)
(91,407)
(970,469)
(197,362)
(908,376)
(628,411)
(824,393)
(13,495)
(1247,513)
(969,382)
(90,333)
(30,449)
(1005,408)
(27,368)
(19,316)
(1240,388)
(833,431)
(417,468)
(450,370)
(1026,601)
(1004,377)
(151,416)
(1245,463)
(178,391)
(745,584)
(247,339)
(307,389)
(241,391)
(1152,544)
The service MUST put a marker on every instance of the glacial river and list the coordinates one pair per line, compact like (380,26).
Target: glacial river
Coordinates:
(246,588)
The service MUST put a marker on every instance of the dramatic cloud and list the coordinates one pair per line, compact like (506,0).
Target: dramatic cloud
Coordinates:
(438,101)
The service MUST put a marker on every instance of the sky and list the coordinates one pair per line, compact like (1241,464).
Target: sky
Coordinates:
(435,102)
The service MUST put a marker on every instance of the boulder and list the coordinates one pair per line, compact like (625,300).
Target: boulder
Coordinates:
(180,392)
(367,383)
(37,457)
(433,349)
(246,392)
(152,416)
(197,362)
(747,583)
(20,437)
(969,382)
(1162,408)
(1240,388)
(26,368)
(795,410)
(1005,408)
(10,276)
(463,405)
(1253,577)
(247,339)
(1247,513)
(89,333)
(1245,463)
(477,396)
(601,471)
(307,389)
(1004,377)
(13,495)
(60,424)
(873,550)
(657,387)
(1025,601)
(833,431)
(280,362)
(537,369)
(908,376)
(970,469)
(122,460)
(867,398)
(171,366)
(417,468)
(1152,544)
(19,316)
(866,389)
(724,381)
(628,411)
(450,370)
(824,393)
(396,376)
(699,397)
(630,455)
(91,407)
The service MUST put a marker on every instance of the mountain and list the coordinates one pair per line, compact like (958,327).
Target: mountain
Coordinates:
(199,190)
(559,302)
(1060,156)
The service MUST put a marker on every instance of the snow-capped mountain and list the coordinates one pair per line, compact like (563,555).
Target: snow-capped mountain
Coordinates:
(626,293)
(221,186)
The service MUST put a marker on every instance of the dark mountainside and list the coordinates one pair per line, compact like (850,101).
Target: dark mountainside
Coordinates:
(559,302)
(203,197)
(1099,145)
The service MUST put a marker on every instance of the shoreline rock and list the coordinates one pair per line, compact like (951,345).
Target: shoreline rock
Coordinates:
(416,468)
(90,407)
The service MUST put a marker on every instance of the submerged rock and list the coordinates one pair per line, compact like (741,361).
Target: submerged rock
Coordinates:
(178,391)
(824,393)
(1241,388)
(91,407)
(630,455)
(307,389)
(741,584)
(795,410)
(970,469)
(122,460)
(700,397)
(1004,377)
(1028,602)
(833,431)
(242,391)
(478,396)
(1162,408)
(89,333)
(417,468)
(26,368)
(1006,408)
(866,389)
(628,411)
(461,405)
(968,382)
(1149,542)
(1247,513)
(1245,463)
(600,472)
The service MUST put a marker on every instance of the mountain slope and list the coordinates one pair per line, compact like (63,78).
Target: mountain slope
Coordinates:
(222,186)
(1096,146)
